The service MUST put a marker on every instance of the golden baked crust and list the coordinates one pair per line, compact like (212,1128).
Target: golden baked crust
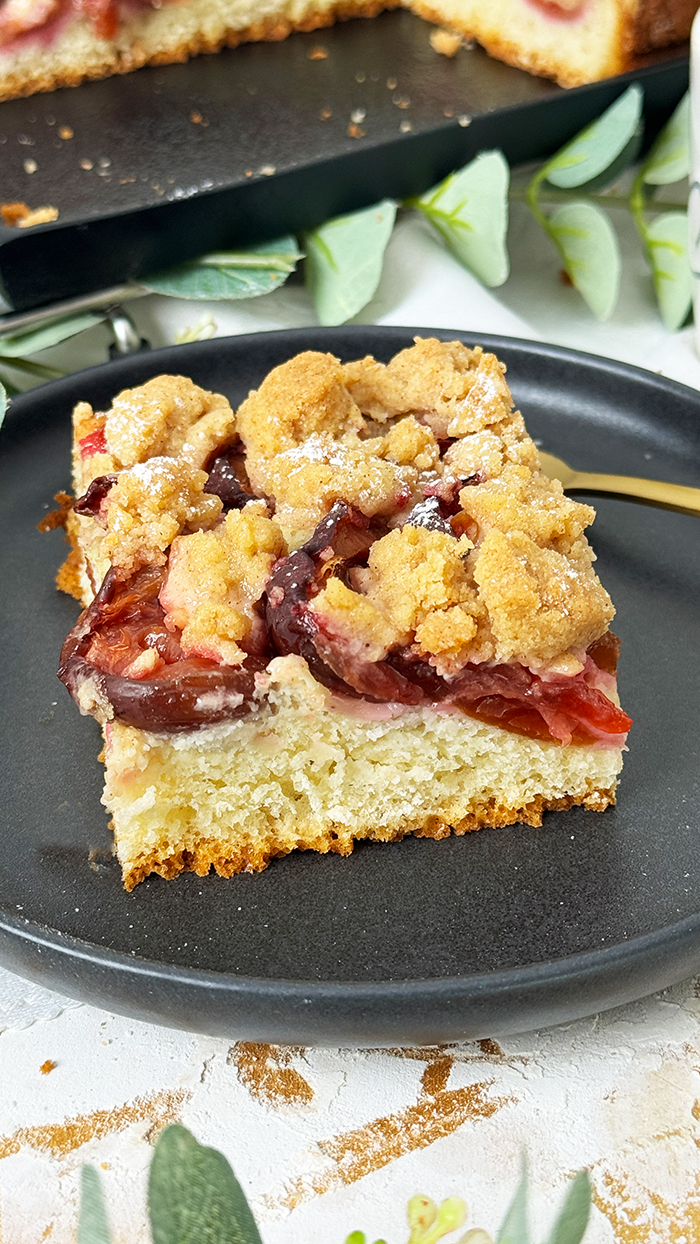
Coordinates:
(619,31)
(210,853)
(106,61)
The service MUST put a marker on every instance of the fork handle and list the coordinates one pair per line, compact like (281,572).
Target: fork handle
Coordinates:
(652,491)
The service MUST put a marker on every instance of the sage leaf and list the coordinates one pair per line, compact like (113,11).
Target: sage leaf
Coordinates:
(194,1196)
(514,1229)
(344,260)
(599,144)
(590,252)
(470,211)
(93,1227)
(573,1216)
(669,158)
(229,274)
(49,335)
(3,403)
(667,249)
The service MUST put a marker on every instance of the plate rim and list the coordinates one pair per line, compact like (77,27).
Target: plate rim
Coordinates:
(493,341)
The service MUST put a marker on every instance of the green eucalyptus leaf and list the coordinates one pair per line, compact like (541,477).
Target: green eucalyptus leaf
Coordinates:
(514,1229)
(3,403)
(43,370)
(93,1227)
(667,248)
(281,254)
(573,1215)
(49,335)
(11,389)
(599,144)
(229,274)
(669,158)
(620,164)
(590,252)
(344,261)
(194,1196)
(215,284)
(470,211)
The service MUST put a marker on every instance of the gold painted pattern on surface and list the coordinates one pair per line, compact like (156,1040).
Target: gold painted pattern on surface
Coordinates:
(60,1139)
(645,1217)
(438,1112)
(266,1072)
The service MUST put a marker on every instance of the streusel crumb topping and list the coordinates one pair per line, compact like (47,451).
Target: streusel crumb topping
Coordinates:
(474,554)
(215,578)
(149,505)
(171,417)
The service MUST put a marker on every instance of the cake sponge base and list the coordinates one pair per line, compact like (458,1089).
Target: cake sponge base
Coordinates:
(303,772)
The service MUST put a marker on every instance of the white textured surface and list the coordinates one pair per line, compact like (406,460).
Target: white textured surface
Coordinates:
(348,1136)
(23,1003)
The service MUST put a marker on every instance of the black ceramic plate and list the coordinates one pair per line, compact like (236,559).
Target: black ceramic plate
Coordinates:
(417,941)
(277,145)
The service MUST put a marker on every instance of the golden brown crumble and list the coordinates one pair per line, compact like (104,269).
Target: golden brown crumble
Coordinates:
(518,500)
(306,480)
(445,42)
(21,216)
(438,416)
(171,417)
(356,620)
(149,505)
(300,398)
(409,443)
(540,603)
(413,571)
(214,579)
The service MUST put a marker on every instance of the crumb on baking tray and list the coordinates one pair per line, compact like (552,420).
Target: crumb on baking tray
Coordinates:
(446,42)
(21,216)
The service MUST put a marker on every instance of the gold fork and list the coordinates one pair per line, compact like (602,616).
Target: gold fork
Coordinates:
(650,491)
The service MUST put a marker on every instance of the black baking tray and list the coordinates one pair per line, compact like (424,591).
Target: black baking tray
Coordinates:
(235,148)
(408,942)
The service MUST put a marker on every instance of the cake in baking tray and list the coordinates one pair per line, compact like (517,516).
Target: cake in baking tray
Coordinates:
(355,608)
(49,43)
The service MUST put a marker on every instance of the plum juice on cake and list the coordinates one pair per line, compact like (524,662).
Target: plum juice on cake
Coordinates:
(354,608)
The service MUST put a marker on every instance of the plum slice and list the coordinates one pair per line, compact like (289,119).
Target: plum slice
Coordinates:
(124,621)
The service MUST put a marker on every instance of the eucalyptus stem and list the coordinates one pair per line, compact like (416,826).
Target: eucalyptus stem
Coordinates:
(605,200)
(637,206)
(532,196)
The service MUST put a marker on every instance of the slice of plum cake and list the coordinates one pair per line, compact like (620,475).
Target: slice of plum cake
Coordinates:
(355,608)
